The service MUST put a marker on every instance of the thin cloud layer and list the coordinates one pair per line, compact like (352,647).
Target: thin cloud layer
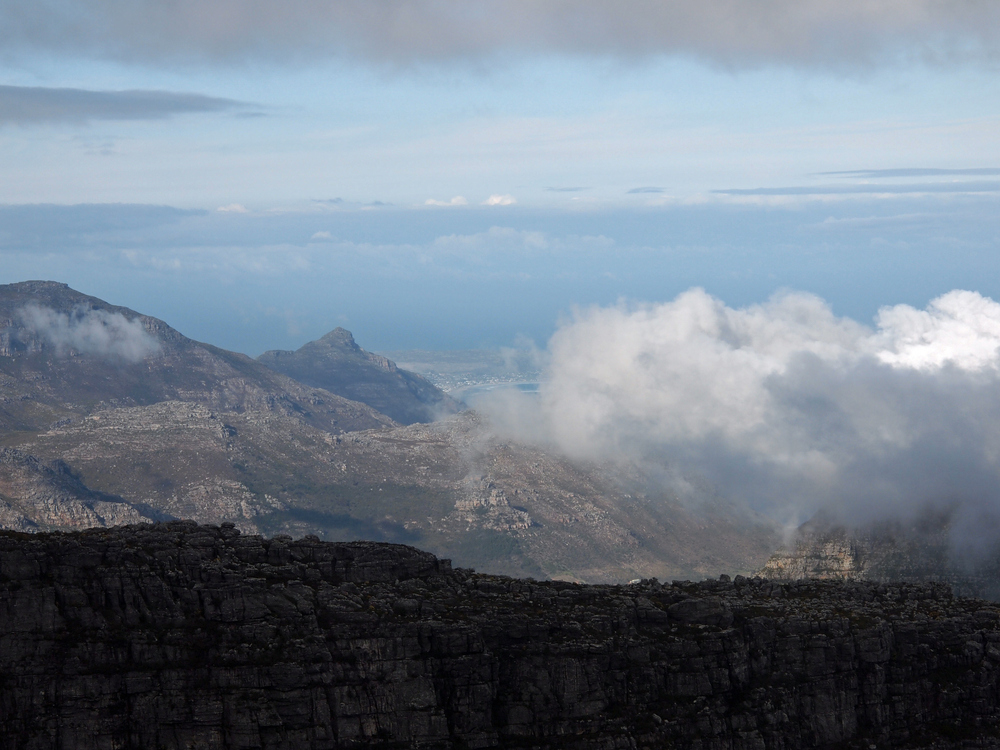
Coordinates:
(784,405)
(95,332)
(24,105)
(730,32)
(967,186)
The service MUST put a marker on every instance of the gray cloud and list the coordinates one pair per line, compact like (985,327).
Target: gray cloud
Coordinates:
(729,32)
(969,186)
(24,105)
(86,331)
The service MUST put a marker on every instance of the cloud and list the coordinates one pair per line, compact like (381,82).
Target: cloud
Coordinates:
(729,32)
(458,200)
(500,200)
(233,208)
(878,174)
(86,331)
(321,236)
(969,186)
(28,105)
(784,405)
(640,190)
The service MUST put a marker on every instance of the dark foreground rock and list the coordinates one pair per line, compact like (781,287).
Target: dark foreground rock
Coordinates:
(178,635)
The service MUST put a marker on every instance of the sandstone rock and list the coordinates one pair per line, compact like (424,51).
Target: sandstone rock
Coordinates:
(180,635)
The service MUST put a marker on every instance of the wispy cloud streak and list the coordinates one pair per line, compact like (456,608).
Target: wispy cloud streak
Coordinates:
(24,105)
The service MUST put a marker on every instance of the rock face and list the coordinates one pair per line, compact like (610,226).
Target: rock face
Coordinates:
(337,364)
(37,496)
(179,635)
(921,549)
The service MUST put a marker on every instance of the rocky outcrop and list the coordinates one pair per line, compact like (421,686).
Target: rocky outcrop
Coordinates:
(36,495)
(179,635)
(918,550)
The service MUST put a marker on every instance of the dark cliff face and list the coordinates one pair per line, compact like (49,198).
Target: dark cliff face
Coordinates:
(178,635)
(337,364)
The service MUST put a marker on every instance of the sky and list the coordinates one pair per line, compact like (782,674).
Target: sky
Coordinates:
(447,174)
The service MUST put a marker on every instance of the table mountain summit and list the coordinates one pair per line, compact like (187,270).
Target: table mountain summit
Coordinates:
(336,363)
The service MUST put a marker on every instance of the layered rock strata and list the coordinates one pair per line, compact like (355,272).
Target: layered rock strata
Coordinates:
(179,635)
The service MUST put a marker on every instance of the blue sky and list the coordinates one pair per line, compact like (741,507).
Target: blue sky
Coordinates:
(849,149)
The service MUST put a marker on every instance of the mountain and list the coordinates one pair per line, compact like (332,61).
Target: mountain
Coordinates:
(920,549)
(337,364)
(64,354)
(451,487)
(142,416)
(179,635)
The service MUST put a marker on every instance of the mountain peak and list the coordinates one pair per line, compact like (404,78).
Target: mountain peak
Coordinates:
(339,337)
(336,363)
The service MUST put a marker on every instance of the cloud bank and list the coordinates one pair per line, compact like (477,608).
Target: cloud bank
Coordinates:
(95,332)
(23,105)
(730,32)
(784,405)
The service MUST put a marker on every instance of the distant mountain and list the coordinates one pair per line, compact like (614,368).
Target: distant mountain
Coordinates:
(336,363)
(64,354)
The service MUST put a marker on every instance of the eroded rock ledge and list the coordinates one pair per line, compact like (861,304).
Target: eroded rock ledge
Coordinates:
(179,635)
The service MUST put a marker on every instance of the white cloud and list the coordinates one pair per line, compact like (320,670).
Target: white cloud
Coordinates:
(86,331)
(784,405)
(458,200)
(233,208)
(321,236)
(500,200)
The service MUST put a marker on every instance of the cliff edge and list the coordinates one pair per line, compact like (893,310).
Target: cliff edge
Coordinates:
(179,635)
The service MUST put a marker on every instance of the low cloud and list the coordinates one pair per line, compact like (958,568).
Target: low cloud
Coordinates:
(28,105)
(458,200)
(233,208)
(728,32)
(94,332)
(500,200)
(784,405)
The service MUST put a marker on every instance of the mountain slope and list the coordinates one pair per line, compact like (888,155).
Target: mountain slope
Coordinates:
(62,354)
(450,487)
(336,363)
(37,496)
